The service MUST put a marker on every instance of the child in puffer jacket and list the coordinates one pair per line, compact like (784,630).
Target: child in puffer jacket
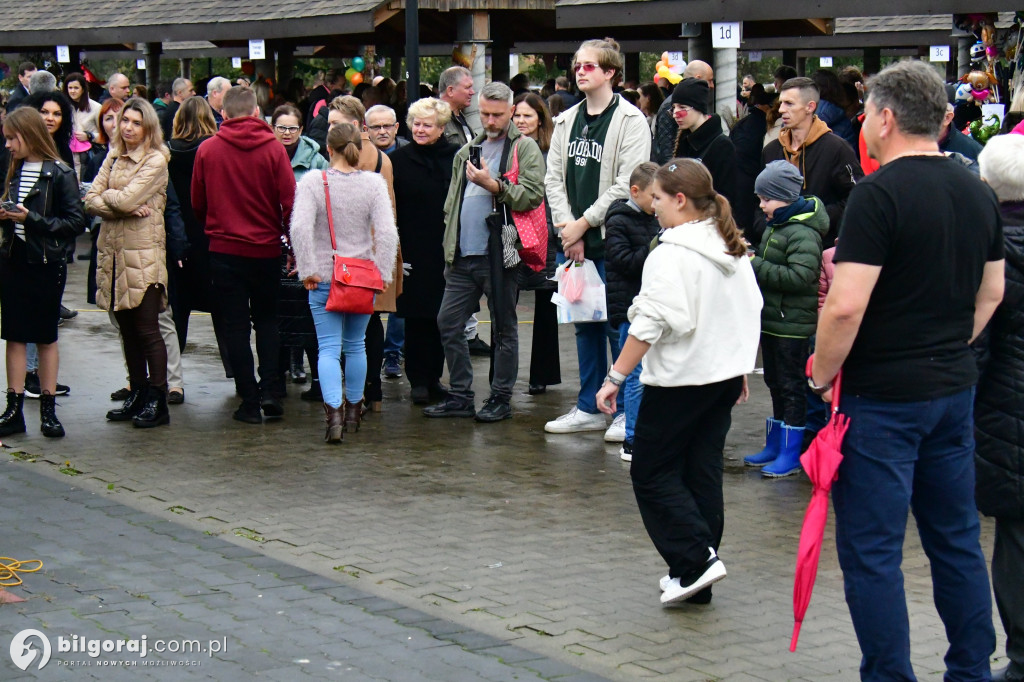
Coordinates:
(630,226)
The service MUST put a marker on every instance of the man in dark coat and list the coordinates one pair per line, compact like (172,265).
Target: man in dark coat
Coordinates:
(952,140)
(20,91)
(999,406)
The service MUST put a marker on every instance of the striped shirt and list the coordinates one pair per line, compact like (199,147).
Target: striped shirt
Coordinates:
(29,176)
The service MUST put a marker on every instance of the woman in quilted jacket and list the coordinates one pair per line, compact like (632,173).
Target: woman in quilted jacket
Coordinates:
(129,194)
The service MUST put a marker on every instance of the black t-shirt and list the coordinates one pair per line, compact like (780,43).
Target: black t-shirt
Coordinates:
(931,225)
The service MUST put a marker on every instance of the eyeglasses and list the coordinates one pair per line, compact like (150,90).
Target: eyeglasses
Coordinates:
(383,126)
(287,130)
(587,67)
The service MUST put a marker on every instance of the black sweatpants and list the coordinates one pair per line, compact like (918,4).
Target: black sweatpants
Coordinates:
(677,469)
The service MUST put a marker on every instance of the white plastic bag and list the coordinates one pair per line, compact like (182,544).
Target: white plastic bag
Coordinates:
(581,293)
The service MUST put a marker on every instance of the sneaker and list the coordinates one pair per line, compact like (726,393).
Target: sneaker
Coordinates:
(702,597)
(576,420)
(494,410)
(393,366)
(678,589)
(479,347)
(272,407)
(664,582)
(121,394)
(626,455)
(67,313)
(313,394)
(248,414)
(451,407)
(616,433)
(32,389)
(298,375)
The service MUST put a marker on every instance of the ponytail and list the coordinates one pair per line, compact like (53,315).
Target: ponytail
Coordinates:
(345,139)
(691,178)
(351,153)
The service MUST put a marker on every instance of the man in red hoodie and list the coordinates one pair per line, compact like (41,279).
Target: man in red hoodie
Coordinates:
(242,191)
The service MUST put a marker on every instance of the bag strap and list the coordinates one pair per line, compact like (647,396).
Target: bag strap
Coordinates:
(330,218)
(380,161)
(502,168)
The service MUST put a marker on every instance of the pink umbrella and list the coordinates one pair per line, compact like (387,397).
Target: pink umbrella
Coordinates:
(821,462)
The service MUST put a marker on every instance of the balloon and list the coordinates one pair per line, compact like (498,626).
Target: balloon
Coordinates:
(674,78)
(664,72)
(664,57)
(350,72)
(358,64)
(356,78)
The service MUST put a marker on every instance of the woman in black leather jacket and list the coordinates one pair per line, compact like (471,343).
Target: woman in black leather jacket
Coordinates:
(41,212)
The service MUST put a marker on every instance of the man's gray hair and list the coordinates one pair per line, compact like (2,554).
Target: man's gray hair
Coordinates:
(1002,166)
(380,109)
(914,93)
(217,83)
(179,86)
(496,91)
(116,75)
(809,91)
(452,76)
(42,81)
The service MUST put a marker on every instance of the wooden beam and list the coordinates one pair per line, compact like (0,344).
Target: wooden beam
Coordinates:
(383,14)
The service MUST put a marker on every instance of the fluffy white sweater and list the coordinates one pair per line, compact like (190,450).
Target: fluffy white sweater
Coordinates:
(364,225)
(699,307)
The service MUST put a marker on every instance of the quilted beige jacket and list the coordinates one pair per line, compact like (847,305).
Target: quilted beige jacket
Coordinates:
(132,251)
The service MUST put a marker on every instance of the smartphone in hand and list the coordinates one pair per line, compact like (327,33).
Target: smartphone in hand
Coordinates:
(475,153)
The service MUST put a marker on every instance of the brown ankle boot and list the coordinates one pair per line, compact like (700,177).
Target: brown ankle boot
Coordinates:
(334,419)
(353,415)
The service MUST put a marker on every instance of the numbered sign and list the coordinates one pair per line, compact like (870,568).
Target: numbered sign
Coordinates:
(825,62)
(140,64)
(236,62)
(756,56)
(675,58)
(257,49)
(63,54)
(939,53)
(725,34)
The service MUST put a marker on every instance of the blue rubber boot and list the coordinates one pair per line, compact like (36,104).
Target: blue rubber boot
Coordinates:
(772,439)
(788,461)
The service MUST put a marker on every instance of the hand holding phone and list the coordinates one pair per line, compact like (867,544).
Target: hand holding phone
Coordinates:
(9,205)
(475,154)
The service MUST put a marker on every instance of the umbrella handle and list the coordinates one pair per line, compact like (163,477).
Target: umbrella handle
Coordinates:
(836,383)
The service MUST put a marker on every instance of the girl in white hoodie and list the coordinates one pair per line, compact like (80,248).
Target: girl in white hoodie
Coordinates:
(696,325)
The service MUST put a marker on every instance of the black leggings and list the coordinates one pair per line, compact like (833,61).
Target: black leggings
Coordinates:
(142,341)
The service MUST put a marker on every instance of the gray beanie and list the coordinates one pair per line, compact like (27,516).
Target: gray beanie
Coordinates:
(779,180)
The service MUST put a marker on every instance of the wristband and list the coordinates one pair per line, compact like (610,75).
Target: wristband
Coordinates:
(618,377)
(613,381)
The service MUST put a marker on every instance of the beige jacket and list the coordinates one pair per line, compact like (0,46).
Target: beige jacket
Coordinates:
(132,251)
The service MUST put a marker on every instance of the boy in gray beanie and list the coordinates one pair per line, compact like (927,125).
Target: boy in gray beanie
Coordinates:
(787,265)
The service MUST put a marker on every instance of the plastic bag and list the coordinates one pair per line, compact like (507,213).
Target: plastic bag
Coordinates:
(581,293)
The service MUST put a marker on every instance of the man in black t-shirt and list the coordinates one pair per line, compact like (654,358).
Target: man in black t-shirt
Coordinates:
(919,271)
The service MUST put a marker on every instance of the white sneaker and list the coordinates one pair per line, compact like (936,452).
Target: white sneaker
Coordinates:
(624,454)
(576,420)
(714,570)
(616,433)
(664,582)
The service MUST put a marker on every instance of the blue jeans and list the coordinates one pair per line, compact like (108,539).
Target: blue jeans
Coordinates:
(915,456)
(632,389)
(592,342)
(394,338)
(335,333)
(31,357)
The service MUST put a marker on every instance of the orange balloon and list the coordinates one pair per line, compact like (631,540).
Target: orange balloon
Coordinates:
(356,78)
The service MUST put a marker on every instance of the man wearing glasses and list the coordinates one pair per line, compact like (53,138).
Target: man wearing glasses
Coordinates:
(594,148)
(382,125)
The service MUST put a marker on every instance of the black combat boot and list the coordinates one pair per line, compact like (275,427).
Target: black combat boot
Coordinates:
(13,420)
(49,424)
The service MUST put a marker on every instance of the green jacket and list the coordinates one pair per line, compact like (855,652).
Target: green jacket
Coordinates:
(788,265)
(308,158)
(526,194)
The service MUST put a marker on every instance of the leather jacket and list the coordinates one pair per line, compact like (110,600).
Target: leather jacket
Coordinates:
(55,214)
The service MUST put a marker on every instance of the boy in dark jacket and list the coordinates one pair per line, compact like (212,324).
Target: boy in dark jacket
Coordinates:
(787,266)
(630,226)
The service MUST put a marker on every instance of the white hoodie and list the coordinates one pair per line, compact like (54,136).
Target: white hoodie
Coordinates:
(698,307)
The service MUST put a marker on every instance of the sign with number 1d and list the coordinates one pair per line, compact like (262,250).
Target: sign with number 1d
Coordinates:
(726,34)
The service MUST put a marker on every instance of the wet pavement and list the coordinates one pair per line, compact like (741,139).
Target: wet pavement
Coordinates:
(522,551)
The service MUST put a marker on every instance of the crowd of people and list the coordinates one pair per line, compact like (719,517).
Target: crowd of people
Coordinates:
(833,224)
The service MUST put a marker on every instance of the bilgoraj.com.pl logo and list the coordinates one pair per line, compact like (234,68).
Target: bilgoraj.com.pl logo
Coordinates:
(31,648)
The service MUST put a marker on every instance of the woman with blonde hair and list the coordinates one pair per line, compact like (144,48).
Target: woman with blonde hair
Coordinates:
(41,212)
(343,211)
(129,194)
(695,325)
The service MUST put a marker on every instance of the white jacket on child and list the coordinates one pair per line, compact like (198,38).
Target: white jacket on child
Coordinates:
(698,307)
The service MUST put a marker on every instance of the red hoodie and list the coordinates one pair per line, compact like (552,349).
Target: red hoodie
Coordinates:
(243,188)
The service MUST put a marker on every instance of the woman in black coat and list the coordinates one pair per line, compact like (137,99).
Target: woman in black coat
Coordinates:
(999,405)
(41,213)
(423,171)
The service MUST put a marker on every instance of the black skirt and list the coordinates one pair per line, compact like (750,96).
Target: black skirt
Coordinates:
(30,296)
